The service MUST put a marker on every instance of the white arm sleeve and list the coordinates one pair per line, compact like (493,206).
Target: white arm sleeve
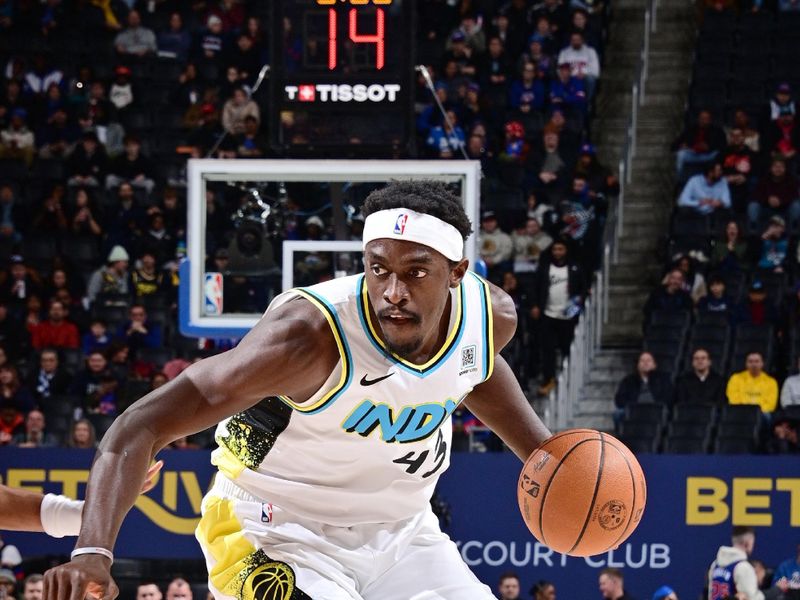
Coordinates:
(744,576)
(61,515)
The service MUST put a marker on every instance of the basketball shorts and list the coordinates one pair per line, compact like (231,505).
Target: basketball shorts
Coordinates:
(258,551)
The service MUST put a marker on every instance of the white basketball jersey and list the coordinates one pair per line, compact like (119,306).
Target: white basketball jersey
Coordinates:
(369,446)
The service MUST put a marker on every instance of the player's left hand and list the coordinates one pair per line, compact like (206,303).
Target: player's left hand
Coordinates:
(149,478)
(87,576)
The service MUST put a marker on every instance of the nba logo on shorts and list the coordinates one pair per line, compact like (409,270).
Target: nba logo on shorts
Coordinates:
(400,224)
(212,293)
(266,513)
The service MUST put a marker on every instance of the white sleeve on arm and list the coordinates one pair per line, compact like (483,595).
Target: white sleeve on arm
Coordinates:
(60,515)
(744,576)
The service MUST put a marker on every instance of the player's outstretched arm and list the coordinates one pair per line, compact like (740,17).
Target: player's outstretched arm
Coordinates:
(291,351)
(499,402)
(23,510)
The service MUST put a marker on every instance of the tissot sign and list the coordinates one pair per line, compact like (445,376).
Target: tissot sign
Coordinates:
(359,92)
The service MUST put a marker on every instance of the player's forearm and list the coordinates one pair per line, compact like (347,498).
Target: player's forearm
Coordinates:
(113,485)
(501,405)
(19,510)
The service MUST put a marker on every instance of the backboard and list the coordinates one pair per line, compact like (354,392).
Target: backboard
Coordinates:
(253,230)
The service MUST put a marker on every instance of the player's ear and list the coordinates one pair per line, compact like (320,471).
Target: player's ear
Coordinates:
(457,272)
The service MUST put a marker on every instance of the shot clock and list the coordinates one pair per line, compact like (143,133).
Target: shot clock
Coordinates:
(341,77)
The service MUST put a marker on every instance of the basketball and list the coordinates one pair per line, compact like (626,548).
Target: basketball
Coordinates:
(582,492)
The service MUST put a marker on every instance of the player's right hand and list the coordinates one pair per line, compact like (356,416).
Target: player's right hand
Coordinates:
(85,576)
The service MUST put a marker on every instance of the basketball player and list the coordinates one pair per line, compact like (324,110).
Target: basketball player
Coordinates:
(57,516)
(731,575)
(336,411)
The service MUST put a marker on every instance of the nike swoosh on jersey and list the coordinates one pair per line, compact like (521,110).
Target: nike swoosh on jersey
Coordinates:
(365,381)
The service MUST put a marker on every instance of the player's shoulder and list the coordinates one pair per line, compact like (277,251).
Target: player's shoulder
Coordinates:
(504,316)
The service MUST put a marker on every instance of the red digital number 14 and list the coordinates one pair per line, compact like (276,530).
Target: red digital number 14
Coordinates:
(378,38)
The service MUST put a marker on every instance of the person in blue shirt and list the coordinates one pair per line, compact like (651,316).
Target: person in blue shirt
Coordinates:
(787,575)
(528,93)
(445,141)
(569,91)
(774,246)
(706,193)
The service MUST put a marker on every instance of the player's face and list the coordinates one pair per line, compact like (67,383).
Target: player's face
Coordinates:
(408,286)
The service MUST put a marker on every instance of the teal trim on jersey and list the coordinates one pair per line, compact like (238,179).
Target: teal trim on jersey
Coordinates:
(347,358)
(488,348)
(422,371)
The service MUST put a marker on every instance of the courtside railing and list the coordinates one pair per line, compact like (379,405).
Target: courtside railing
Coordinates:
(575,368)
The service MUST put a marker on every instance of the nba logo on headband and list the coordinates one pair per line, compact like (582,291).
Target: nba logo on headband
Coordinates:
(400,223)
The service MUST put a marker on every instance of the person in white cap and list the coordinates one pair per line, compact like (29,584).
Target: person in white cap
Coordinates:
(113,278)
(335,413)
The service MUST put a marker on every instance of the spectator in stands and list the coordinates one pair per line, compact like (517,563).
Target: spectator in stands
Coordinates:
(529,242)
(665,593)
(741,120)
(706,193)
(693,281)
(50,379)
(58,136)
(543,590)
(717,300)
(236,108)
(698,144)
(783,136)
(784,440)
(12,420)
(508,587)
(753,385)
(757,309)
(176,41)
(446,139)
(82,435)
(774,247)
(85,217)
(495,68)
(87,165)
(17,141)
(787,576)
(549,169)
(132,167)
(495,246)
(20,285)
(8,583)
(790,392)
(250,143)
(33,587)
(14,337)
(34,435)
(781,101)
(148,591)
(34,313)
(583,61)
(124,219)
(97,337)
(139,332)
(669,297)
(56,331)
(601,181)
(174,213)
(156,239)
(731,253)
(120,93)
(568,91)
(147,281)
(515,149)
(112,279)
(41,76)
(179,589)
(210,43)
(775,194)
(646,385)
(528,93)
(738,168)
(50,219)
(11,219)
(13,392)
(135,40)
(96,385)
(701,384)
(612,585)
(245,57)
(558,296)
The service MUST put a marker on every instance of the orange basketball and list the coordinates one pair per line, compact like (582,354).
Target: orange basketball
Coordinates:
(582,492)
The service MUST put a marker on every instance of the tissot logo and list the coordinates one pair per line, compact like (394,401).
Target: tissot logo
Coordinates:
(342,92)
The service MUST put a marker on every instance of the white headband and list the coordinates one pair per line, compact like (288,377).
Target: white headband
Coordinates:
(411,226)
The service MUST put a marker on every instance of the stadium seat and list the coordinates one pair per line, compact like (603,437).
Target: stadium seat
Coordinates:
(641,445)
(733,446)
(646,413)
(689,429)
(101,423)
(687,412)
(684,445)
(671,319)
(740,413)
(640,429)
